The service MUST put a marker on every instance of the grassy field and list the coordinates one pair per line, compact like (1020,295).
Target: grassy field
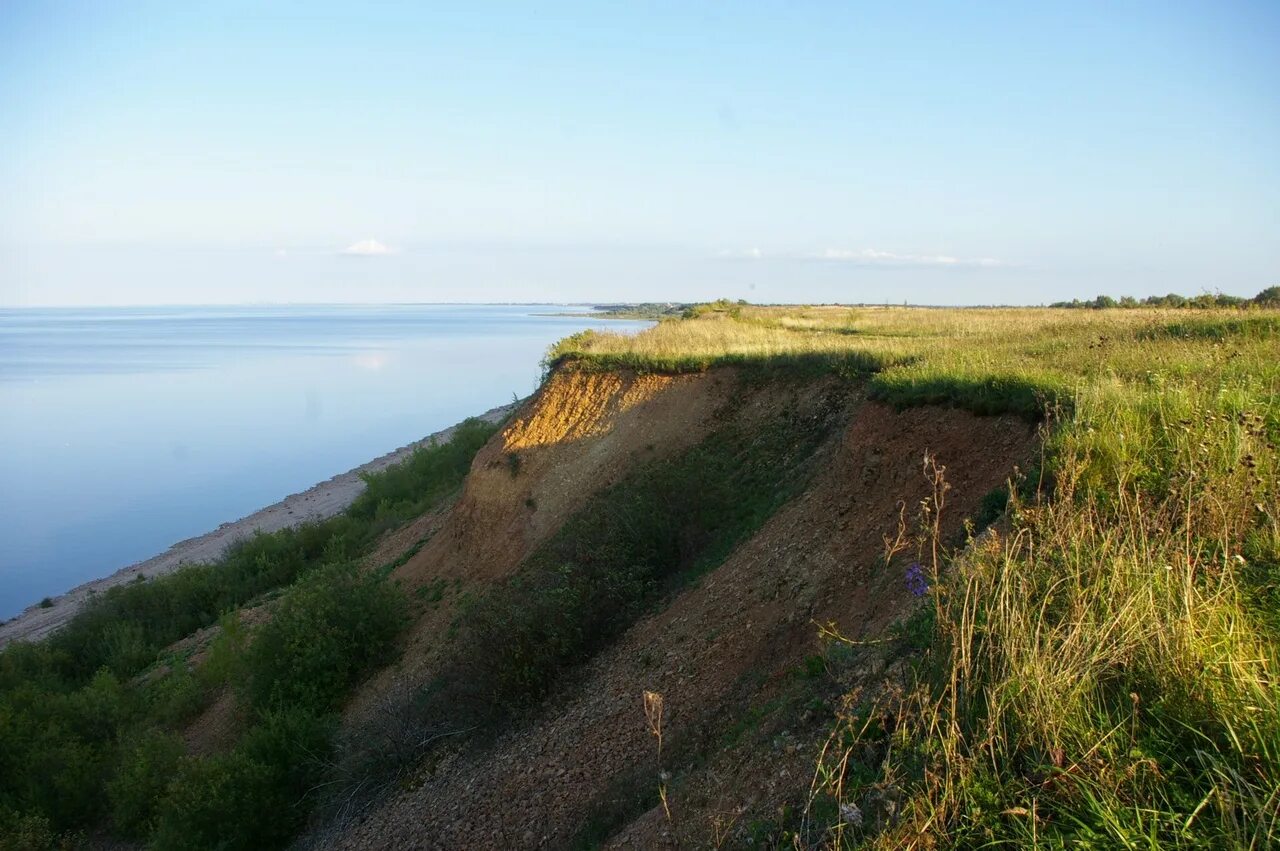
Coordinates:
(1103,673)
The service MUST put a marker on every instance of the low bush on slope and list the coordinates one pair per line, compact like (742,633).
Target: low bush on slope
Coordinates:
(324,636)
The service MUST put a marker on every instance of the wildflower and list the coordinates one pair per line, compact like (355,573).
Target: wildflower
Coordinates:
(917,580)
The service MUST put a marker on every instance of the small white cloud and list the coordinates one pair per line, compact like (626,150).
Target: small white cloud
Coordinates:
(875,257)
(748,253)
(367,248)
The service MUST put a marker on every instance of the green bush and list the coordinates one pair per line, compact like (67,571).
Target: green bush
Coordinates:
(146,767)
(324,635)
(215,803)
(55,746)
(64,710)
(125,627)
(430,473)
(27,832)
(225,661)
(176,696)
(23,664)
(251,798)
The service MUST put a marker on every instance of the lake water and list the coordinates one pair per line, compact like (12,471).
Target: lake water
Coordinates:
(126,430)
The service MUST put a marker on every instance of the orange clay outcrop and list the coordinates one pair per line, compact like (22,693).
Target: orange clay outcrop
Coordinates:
(580,433)
(716,650)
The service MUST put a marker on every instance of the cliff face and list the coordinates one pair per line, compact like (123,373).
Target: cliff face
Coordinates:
(580,433)
(735,651)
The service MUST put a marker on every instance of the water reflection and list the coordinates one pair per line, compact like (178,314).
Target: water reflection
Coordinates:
(123,431)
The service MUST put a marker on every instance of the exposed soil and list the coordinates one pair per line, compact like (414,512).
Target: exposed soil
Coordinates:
(718,648)
(395,544)
(580,433)
(218,727)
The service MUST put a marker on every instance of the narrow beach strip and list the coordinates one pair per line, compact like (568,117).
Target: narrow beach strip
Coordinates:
(319,502)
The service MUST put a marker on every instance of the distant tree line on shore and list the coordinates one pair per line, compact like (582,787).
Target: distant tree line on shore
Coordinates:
(1270,297)
(644,310)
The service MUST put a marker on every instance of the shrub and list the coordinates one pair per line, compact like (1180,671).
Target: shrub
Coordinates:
(430,473)
(324,635)
(146,767)
(250,798)
(215,803)
(55,746)
(63,708)
(176,696)
(28,832)
(1270,297)
(225,662)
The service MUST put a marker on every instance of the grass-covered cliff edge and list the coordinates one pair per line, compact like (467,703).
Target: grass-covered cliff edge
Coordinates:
(757,577)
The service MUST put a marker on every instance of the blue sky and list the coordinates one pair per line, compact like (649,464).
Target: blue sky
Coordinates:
(931,152)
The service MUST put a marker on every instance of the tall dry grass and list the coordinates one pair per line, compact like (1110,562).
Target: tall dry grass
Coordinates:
(1106,672)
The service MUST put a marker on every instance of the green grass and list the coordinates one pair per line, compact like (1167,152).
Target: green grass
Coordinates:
(1100,667)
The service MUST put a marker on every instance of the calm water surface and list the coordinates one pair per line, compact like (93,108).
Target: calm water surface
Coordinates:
(123,431)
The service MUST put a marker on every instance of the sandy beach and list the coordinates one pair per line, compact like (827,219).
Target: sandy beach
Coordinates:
(316,503)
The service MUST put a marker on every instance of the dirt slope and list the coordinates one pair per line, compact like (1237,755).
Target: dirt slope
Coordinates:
(717,649)
(578,434)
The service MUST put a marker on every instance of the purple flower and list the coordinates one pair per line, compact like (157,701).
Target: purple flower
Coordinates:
(917,580)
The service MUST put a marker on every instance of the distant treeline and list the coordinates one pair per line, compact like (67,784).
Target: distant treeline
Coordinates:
(644,310)
(1270,297)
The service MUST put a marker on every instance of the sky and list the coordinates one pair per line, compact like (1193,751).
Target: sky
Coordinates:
(939,153)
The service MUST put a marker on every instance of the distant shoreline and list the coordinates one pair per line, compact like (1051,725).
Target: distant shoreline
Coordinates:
(318,502)
(610,316)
